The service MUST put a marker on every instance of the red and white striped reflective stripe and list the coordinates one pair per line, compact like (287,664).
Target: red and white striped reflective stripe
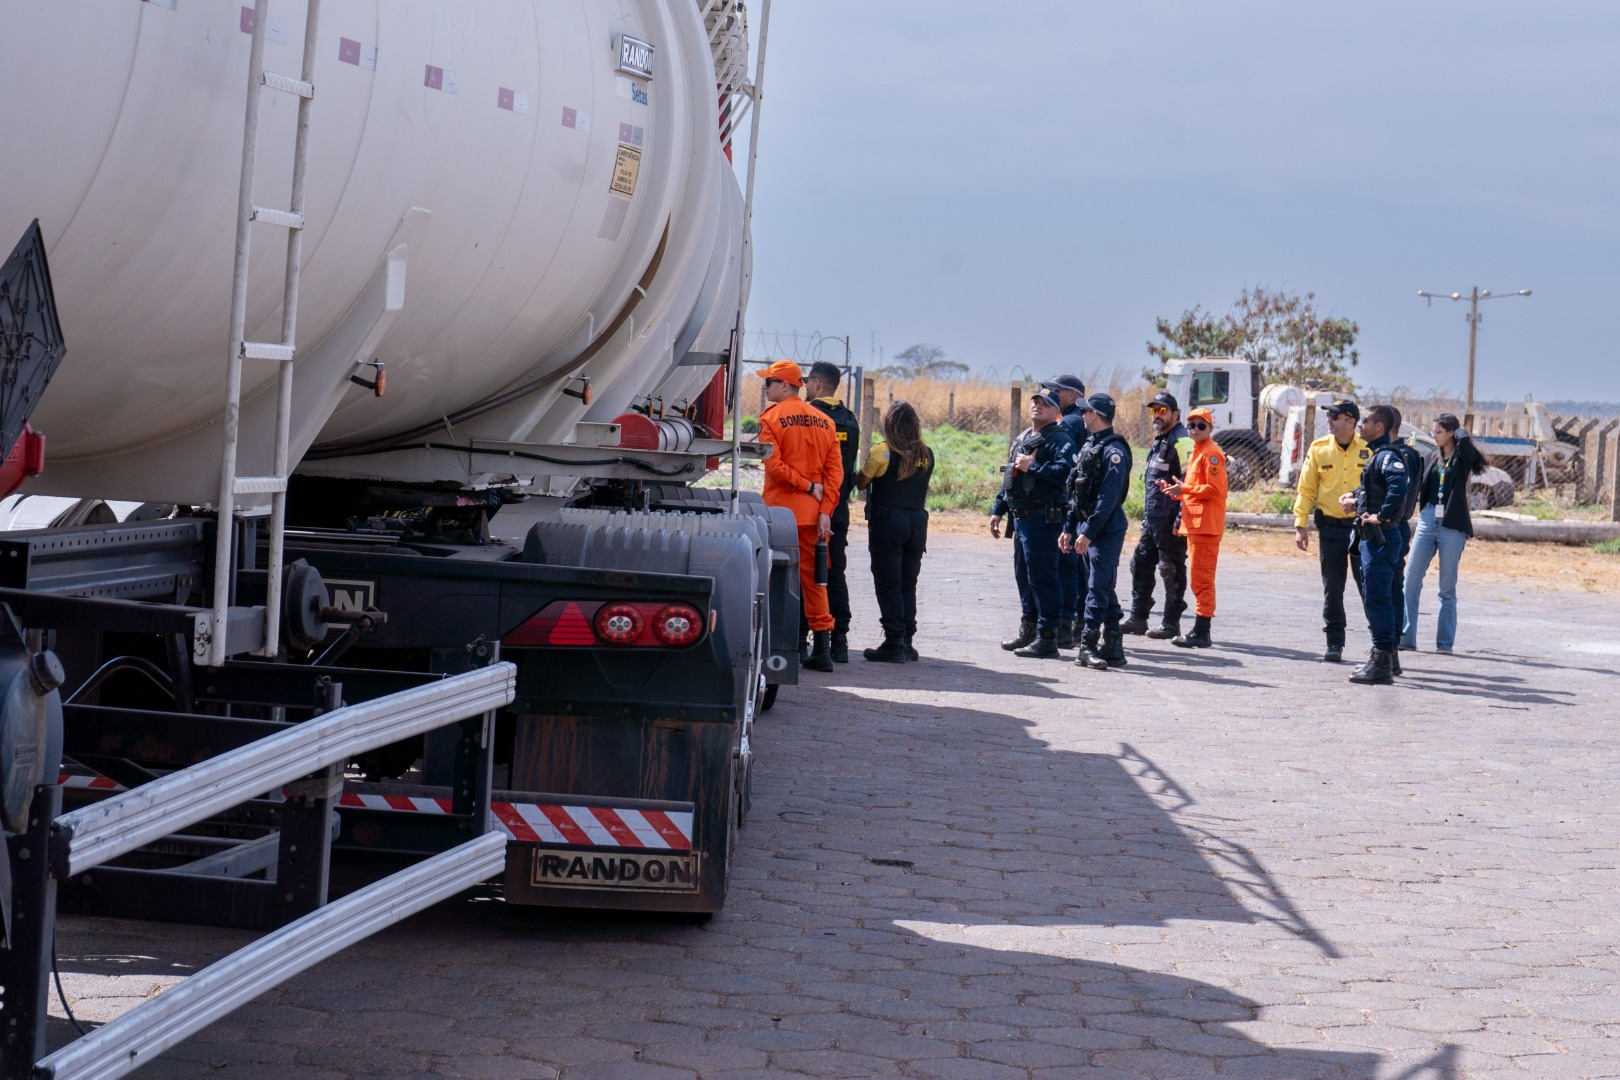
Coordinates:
(99,783)
(544,823)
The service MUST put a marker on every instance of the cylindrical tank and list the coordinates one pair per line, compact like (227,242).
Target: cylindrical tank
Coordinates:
(529,191)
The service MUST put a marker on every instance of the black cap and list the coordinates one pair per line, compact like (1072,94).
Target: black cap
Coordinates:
(1048,396)
(1165,398)
(1102,405)
(1346,406)
(1066,382)
(827,373)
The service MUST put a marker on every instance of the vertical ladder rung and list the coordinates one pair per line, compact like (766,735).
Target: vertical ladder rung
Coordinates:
(287,85)
(260,485)
(285,218)
(266,350)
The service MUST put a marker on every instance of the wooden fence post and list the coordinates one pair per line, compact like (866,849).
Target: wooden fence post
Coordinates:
(1016,418)
(869,418)
(1613,484)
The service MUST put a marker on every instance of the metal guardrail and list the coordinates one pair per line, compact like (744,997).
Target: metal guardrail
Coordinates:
(154,1026)
(94,834)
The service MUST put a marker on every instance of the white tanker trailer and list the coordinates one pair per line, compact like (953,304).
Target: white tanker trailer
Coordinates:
(457,258)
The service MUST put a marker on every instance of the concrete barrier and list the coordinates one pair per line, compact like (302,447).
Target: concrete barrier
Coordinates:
(1485,528)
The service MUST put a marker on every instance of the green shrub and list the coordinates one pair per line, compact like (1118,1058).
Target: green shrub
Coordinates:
(1607,547)
(750,424)
(1279,502)
(967,468)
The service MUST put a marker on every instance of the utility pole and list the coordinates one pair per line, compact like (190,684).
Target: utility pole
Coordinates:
(1473,298)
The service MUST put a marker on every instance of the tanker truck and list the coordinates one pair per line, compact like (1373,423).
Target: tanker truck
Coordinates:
(372,351)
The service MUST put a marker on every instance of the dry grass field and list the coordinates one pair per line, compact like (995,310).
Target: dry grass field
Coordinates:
(1545,566)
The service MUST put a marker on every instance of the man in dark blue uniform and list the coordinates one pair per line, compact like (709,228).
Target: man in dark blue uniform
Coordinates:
(1378,504)
(1413,459)
(1158,547)
(1032,491)
(1070,394)
(1096,529)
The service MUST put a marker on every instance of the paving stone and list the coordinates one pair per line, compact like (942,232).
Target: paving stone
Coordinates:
(1109,880)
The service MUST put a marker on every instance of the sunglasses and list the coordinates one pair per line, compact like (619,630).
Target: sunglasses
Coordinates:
(1197,425)
(768,382)
(1158,410)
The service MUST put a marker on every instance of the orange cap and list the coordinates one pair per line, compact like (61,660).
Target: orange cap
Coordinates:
(1204,415)
(785,370)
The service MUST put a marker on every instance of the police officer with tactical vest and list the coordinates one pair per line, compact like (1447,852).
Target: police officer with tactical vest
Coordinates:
(1095,528)
(1070,394)
(1032,491)
(1378,505)
(1415,468)
(1160,547)
(821,384)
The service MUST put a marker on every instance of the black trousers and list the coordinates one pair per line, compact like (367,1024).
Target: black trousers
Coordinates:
(1338,553)
(896,539)
(1159,549)
(837,563)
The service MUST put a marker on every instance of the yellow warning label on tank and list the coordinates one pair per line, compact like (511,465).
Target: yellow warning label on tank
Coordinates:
(625,170)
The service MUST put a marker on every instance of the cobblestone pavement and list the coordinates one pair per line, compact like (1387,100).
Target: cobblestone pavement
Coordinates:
(1212,863)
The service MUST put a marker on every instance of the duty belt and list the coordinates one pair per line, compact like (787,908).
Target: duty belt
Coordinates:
(1324,521)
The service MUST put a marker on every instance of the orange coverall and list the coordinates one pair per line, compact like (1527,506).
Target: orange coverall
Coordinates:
(1203,520)
(806,453)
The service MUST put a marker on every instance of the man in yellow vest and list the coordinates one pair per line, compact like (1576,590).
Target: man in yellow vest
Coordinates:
(1333,467)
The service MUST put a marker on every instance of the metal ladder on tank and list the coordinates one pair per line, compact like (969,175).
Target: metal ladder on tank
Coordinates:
(280,352)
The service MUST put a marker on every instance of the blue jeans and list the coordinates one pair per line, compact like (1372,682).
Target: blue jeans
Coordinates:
(1433,538)
(1379,566)
(1035,568)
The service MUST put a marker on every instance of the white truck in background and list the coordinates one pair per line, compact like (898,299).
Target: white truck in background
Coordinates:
(1266,432)
(1261,429)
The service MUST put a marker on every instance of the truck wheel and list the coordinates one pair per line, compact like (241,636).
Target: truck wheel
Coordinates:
(1248,460)
(769,698)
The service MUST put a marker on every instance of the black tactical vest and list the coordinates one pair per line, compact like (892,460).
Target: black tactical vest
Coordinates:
(1085,482)
(848,428)
(908,494)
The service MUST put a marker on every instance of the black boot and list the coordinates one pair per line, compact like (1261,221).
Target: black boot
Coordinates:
(1043,647)
(912,654)
(1090,654)
(1026,634)
(840,647)
(1334,654)
(1375,672)
(1065,634)
(1113,648)
(1394,661)
(1171,628)
(1199,638)
(892,651)
(820,658)
(1136,624)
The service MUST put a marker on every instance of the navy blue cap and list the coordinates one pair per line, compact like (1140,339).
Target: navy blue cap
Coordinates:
(1102,405)
(1067,382)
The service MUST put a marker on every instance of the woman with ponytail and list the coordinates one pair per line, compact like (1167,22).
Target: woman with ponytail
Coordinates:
(1444,528)
(895,478)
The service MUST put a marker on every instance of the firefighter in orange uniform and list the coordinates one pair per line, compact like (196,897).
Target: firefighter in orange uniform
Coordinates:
(805,473)
(1202,491)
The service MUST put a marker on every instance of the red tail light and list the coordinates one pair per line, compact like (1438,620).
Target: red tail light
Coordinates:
(619,624)
(625,624)
(677,624)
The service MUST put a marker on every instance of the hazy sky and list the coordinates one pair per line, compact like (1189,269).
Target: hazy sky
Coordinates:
(1032,183)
